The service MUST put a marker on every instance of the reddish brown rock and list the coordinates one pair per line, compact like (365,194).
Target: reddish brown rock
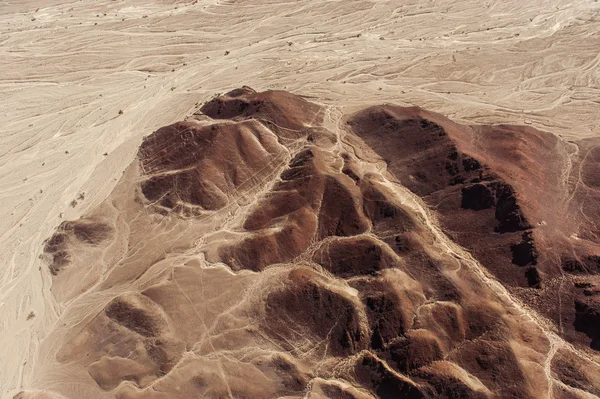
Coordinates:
(258,251)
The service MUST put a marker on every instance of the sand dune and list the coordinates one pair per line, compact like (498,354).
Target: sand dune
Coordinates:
(83,82)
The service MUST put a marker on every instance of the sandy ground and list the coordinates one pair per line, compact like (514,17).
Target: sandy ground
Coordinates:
(67,69)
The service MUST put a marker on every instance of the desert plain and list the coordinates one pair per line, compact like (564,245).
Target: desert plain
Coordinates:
(85,84)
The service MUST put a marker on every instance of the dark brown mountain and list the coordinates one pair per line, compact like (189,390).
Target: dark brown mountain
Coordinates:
(261,250)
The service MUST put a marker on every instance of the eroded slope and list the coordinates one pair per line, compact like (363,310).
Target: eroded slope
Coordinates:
(265,249)
(523,202)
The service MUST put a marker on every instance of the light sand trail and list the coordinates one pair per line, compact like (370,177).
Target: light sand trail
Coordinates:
(68,68)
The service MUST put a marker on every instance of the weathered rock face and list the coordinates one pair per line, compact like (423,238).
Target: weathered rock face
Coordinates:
(587,318)
(503,193)
(257,251)
(194,167)
(86,232)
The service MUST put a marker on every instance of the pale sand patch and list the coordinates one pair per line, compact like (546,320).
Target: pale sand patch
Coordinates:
(67,70)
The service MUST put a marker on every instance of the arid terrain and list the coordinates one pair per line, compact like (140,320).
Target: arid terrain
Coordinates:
(271,247)
(407,205)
